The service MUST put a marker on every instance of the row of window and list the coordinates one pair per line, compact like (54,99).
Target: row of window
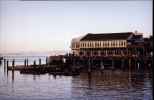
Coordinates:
(99,44)
(105,52)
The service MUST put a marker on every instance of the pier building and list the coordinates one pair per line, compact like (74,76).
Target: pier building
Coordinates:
(109,44)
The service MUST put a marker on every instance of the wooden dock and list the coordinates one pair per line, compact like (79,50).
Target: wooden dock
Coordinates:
(71,66)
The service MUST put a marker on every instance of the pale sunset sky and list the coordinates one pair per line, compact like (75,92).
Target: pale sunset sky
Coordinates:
(50,25)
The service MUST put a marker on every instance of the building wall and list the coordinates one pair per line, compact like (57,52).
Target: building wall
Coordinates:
(105,47)
(75,45)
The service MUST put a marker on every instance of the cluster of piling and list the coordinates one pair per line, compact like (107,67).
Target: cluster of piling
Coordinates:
(56,69)
(72,65)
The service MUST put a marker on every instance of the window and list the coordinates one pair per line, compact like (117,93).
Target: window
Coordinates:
(124,43)
(115,43)
(121,43)
(107,44)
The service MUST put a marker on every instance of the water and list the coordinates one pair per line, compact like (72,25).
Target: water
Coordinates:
(109,85)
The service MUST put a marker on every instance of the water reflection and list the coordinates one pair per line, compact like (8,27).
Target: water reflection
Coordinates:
(106,85)
(112,85)
(89,80)
(54,76)
(12,76)
(34,77)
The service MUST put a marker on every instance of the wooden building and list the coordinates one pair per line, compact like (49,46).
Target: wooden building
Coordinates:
(109,44)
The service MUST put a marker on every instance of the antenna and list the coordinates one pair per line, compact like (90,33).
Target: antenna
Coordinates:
(136,32)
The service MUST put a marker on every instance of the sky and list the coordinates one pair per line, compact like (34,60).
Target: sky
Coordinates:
(40,26)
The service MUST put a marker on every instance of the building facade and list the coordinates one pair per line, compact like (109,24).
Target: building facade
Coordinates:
(108,44)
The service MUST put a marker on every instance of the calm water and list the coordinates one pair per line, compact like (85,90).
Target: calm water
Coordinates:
(109,85)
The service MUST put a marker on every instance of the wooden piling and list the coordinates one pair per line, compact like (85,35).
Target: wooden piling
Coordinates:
(89,66)
(101,66)
(112,63)
(25,63)
(7,64)
(46,60)
(13,64)
(138,65)
(39,62)
(89,80)
(129,64)
(34,63)
(122,63)
(4,63)
(12,76)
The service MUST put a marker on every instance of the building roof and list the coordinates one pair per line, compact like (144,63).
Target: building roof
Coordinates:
(77,39)
(106,36)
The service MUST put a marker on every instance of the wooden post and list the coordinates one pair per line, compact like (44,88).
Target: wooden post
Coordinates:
(89,67)
(13,64)
(89,72)
(4,63)
(138,65)
(130,64)
(122,63)
(135,65)
(7,64)
(46,60)
(13,76)
(102,65)
(34,63)
(89,80)
(39,61)
(25,63)
(112,63)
